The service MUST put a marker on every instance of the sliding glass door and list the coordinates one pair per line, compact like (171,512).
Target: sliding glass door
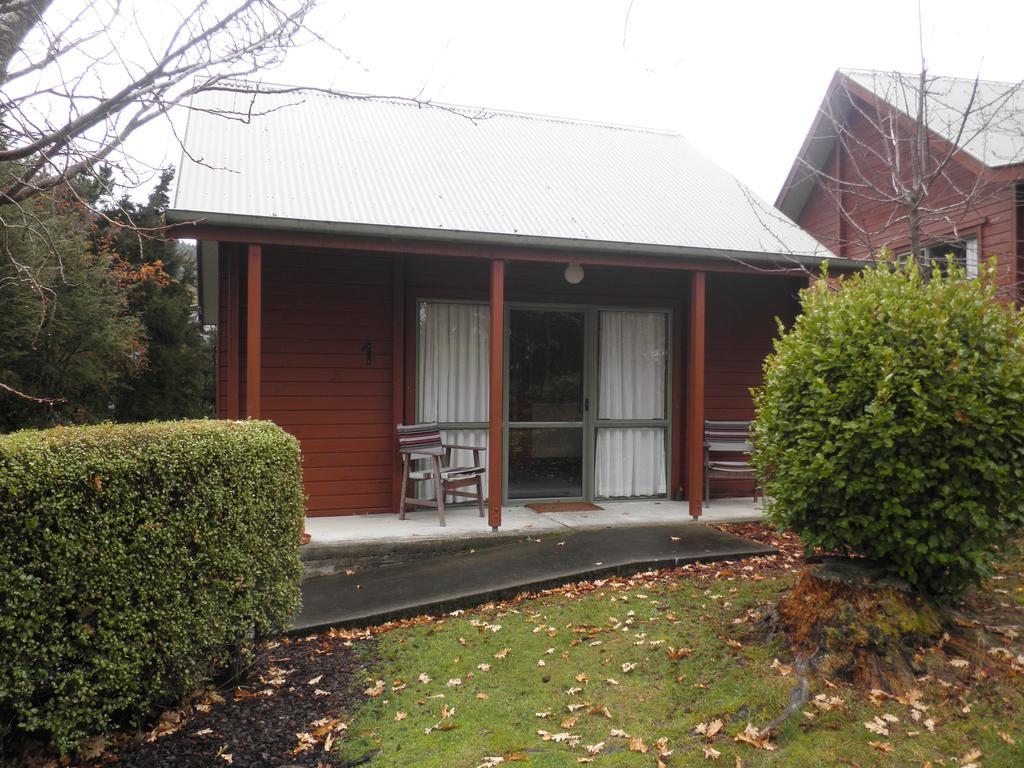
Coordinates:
(586,409)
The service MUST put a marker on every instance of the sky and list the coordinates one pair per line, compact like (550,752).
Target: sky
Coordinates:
(741,80)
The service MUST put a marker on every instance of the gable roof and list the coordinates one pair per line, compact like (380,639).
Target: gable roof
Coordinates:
(376,166)
(991,134)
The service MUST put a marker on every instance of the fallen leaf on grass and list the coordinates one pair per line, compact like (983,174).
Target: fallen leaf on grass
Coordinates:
(399,716)
(827,703)
(636,744)
(424,678)
(602,710)
(315,680)
(569,738)
(881,746)
(629,666)
(455,682)
(971,758)
(502,653)
(661,747)
(1007,738)
(618,733)
(711,753)
(783,669)
(877,725)
(679,653)
(752,735)
(375,690)
(594,749)
(708,730)
(482,696)
(483,667)
(570,721)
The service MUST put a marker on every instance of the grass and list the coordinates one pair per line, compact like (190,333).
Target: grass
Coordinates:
(568,649)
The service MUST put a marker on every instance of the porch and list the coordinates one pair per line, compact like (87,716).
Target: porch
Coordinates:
(586,378)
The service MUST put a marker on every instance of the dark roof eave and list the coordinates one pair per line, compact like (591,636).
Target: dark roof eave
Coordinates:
(759,258)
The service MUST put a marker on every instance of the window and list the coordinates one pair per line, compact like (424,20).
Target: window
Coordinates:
(963,253)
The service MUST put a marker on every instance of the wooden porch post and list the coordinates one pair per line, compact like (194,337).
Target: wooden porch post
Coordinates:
(253,320)
(232,339)
(496,402)
(397,369)
(695,396)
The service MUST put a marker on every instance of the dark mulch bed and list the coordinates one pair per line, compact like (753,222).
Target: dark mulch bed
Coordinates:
(300,686)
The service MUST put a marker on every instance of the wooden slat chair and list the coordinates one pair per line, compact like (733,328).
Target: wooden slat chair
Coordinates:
(423,441)
(728,439)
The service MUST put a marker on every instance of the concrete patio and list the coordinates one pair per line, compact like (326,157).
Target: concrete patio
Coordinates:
(351,541)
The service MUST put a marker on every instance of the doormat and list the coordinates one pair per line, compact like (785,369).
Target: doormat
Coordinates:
(565,506)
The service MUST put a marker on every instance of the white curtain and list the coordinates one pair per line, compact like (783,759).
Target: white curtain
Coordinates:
(630,462)
(452,362)
(633,363)
(452,375)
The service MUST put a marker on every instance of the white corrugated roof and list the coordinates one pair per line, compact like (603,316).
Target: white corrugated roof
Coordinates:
(349,160)
(993,131)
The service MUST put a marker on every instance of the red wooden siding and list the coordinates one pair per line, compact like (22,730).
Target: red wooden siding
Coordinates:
(868,226)
(741,312)
(319,309)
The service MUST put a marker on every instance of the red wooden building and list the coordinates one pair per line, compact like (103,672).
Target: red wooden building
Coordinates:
(578,297)
(841,186)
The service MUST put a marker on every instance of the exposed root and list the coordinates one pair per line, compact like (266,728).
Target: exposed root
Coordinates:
(799,695)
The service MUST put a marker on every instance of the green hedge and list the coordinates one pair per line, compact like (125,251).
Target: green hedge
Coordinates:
(891,423)
(134,560)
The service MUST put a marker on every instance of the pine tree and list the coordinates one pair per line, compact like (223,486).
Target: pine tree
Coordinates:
(175,379)
(67,333)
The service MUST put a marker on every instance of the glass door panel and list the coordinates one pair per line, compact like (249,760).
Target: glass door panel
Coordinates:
(547,402)
(545,365)
(545,463)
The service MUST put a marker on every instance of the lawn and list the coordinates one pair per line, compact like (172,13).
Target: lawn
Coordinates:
(666,668)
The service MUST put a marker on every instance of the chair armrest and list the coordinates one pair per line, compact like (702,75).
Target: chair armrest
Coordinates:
(465,447)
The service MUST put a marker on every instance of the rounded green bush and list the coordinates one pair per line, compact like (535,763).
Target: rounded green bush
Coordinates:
(891,423)
(134,560)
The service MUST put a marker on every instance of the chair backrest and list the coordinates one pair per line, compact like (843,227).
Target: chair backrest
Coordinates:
(726,431)
(420,438)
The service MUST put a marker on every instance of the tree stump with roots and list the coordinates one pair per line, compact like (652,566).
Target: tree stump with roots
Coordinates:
(857,624)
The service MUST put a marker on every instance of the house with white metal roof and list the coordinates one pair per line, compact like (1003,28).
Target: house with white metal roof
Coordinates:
(574,299)
(848,181)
